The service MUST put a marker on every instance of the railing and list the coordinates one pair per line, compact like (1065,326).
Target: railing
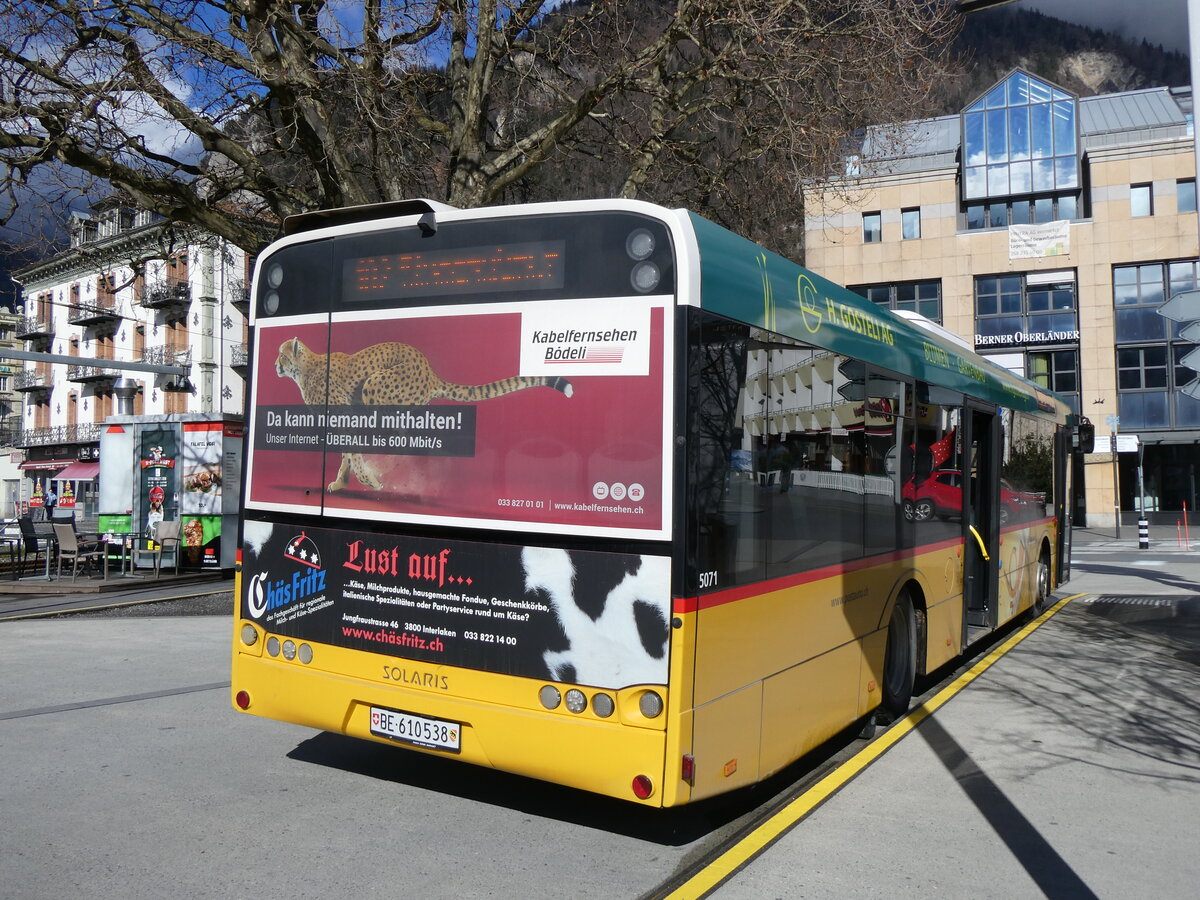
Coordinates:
(167,356)
(59,434)
(172,292)
(30,381)
(86,313)
(33,326)
(239,293)
(89,373)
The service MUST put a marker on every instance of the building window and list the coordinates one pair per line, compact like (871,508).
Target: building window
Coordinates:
(1141,200)
(1138,292)
(872,228)
(910,223)
(1020,310)
(1185,195)
(1058,371)
(1039,210)
(922,297)
(1020,138)
(1150,370)
(1142,384)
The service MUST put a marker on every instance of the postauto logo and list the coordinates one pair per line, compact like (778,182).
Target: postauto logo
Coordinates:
(266,594)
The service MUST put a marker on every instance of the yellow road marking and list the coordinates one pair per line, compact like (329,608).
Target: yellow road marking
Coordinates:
(729,862)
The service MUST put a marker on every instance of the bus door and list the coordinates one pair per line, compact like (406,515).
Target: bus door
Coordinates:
(981,519)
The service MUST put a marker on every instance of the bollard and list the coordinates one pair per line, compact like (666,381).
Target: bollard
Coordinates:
(1143,534)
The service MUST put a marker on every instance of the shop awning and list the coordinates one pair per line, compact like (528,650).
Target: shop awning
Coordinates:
(41,465)
(80,471)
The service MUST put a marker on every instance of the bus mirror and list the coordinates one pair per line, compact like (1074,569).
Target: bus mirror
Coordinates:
(1085,436)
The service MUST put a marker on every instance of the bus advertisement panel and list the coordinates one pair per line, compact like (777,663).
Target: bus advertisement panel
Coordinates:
(548,414)
(596,618)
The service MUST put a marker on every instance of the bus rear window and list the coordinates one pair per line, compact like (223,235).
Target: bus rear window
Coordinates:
(564,257)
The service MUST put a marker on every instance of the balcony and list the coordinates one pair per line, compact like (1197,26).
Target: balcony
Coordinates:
(167,356)
(172,295)
(239,295)
(60,434)
(31,382)
(33,327)
(102,312)
(239,359)
(91,374)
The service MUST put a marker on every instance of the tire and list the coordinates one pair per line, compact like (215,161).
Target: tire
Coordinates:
(1005,515)
(923,510)
(1042,584)
(900,660)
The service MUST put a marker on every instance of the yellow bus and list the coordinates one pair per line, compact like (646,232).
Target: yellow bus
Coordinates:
(603,494)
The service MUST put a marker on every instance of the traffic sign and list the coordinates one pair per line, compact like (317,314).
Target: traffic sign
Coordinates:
(1183,307)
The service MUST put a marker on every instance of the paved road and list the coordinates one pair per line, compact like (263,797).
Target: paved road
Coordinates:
(1071,767)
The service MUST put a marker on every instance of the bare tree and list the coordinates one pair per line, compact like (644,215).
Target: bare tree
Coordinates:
(231,114)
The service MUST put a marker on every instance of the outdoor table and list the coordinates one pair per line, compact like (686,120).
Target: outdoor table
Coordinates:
(123,541)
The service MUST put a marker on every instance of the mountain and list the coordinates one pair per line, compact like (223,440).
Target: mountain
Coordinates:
(1083,60)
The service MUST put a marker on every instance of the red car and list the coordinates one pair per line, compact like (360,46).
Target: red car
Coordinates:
(941,494)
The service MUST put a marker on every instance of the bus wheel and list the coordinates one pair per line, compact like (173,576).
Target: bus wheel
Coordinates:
(900,661)
(1043,582)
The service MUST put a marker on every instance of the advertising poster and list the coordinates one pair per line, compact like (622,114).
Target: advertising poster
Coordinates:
(157,469)
(549,414)
(203,475)
(201,539)
(592,618)
(232,436)
(117,466)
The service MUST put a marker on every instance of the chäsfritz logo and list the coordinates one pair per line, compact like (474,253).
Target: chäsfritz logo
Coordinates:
(266,593)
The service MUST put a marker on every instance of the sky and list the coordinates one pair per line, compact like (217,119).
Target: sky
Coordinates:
(1161,22)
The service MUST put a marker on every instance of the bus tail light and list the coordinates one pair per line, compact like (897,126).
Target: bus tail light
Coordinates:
(687,769)
(249,635)
(242,699)
(643,787)
(550,696)
(603,705)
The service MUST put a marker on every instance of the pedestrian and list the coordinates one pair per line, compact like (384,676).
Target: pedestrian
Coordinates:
(50,503)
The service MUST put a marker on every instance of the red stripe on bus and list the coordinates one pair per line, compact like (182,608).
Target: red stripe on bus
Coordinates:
(683,605)
(707,601)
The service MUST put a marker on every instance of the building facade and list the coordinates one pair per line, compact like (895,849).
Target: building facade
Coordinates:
(1046,230)
(131,289)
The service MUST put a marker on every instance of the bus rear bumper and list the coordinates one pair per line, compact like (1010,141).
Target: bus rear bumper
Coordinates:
(601,756)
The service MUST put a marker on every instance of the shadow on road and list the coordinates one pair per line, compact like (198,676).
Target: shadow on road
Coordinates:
(706,819)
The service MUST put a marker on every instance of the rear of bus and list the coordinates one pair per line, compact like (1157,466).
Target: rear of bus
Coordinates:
(458,490)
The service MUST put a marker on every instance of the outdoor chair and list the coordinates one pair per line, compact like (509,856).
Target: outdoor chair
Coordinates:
(32,542)
(164,538)
(72,551)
